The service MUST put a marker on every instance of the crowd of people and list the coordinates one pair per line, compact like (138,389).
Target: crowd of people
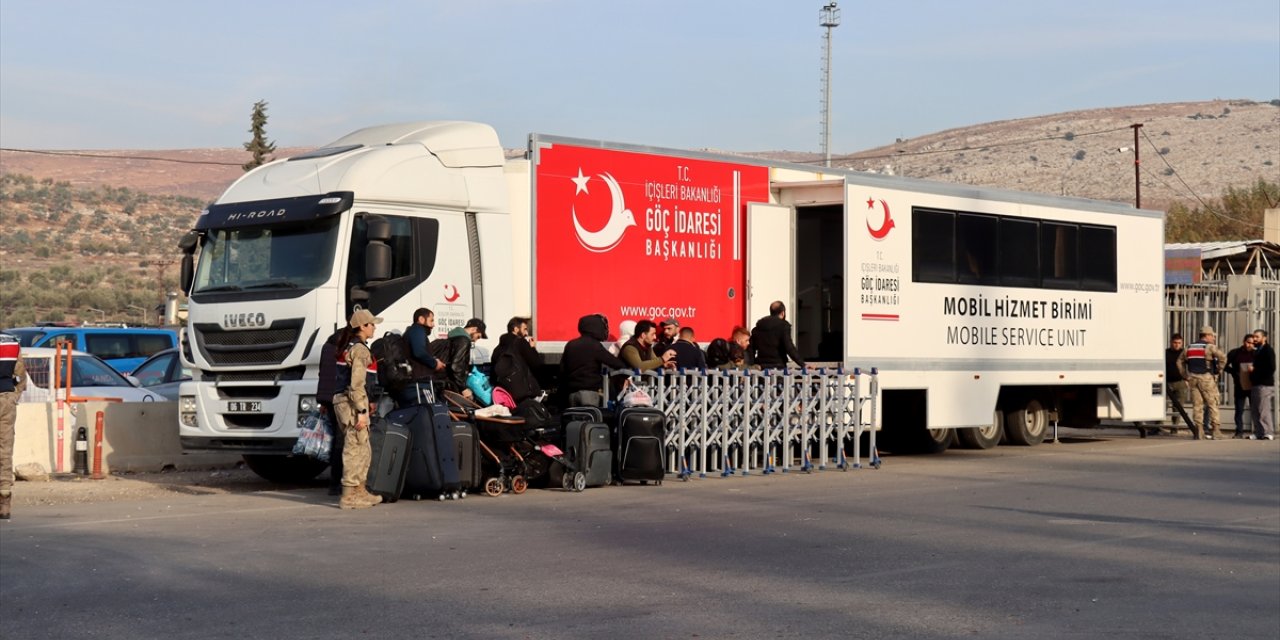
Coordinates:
(1195,372)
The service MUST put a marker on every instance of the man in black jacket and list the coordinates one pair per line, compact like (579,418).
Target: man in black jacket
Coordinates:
(771,340)
(585,356)
(423,363)
(326,387)
(518,374)
(688,354)
(1263,393)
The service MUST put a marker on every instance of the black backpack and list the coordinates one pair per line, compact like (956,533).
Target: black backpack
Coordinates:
(718,353)
(512,374)
(535,414)
(391,351)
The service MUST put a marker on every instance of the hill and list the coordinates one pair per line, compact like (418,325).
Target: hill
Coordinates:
(97,230)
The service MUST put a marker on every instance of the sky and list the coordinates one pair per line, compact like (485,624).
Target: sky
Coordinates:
(736,75)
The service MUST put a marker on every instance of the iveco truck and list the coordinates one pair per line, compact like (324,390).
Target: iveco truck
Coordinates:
(989,314)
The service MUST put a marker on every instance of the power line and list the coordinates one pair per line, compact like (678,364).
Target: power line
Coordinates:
(1203,204)
(80,154)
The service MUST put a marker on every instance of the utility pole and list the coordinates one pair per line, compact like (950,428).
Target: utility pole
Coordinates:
(1137,177)
(829,17)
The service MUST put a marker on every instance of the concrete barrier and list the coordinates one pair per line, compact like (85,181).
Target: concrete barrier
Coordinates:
(137,436)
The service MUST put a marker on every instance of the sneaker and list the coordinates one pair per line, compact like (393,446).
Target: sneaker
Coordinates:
(1208,436)
(1268,437)
(1237,436)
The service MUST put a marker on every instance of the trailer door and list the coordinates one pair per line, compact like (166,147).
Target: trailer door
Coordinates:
(771,261)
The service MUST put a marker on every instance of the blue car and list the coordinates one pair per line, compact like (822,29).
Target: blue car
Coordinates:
(122,348)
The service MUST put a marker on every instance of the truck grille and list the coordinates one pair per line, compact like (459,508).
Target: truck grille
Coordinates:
(248,346)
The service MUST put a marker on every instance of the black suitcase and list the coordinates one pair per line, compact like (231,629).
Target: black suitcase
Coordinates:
(467,452)
(638,446)
(590,414)
(389,444)
(433,464)
(589,447)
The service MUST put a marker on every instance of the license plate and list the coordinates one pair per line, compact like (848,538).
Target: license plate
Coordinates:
(244,407)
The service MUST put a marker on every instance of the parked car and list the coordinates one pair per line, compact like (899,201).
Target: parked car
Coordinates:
(124,348)
(162,373)
(90,378)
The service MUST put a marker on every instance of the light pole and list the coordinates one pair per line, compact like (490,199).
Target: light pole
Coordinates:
(829,17)
(102,318)
(142,314)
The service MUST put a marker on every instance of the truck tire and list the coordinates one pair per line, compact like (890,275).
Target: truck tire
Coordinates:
(1027,426)
(284,469)
(986,437)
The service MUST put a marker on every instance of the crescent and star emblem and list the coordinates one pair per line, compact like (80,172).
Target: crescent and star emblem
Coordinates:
(885,226)
(450,297)
(620,218)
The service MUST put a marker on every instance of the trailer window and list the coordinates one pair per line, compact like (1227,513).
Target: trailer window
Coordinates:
(1019,252)
(1098,258)
(933,246)
(976,249)
(1059,255)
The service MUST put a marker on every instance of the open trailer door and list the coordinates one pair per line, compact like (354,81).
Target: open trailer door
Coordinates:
(771,246)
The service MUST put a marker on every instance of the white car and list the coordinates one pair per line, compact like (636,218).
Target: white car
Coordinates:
(90,378)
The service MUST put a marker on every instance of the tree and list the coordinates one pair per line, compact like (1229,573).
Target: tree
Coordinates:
(259,146)
(1237,215)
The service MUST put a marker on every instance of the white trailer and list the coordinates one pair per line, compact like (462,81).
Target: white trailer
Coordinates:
(992,312)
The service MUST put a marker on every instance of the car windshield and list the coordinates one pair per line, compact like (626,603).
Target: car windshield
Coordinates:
(26,337)
(292,256)
(88,371)
(154,371)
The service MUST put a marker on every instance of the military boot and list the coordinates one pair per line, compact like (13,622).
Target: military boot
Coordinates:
(351,499)
(5,501)
(369,498)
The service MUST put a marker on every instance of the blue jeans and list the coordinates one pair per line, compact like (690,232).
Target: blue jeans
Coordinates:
(1241,400)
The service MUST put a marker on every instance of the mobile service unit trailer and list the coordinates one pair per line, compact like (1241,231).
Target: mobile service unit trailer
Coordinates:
(987,311)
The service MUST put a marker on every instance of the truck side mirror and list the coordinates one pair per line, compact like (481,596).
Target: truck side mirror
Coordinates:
(377,261)
(188,246)
(377,229)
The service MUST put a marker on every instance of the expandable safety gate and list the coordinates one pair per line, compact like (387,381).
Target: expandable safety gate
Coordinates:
(734,421)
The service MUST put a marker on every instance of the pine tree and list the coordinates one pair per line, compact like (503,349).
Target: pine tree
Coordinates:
(258,146)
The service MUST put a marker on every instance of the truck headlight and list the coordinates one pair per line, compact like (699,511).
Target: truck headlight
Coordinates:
(306,405)
(187,411)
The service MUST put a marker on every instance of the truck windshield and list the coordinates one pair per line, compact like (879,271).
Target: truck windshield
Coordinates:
(288,256)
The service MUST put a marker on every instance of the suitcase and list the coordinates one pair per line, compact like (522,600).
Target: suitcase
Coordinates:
(590,414)
(638,446)
(467,452)
(589,447)
(433,464)
(389,444)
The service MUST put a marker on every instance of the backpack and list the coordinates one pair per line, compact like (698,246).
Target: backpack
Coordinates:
(718,353)
(512,373)
(535,414)
(391,352)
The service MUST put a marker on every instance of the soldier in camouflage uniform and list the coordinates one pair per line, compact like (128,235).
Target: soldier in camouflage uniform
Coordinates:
(1201,364)
(351,407)
(13,381)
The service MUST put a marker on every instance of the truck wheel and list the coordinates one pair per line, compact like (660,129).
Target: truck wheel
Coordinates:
(285,469)
(1027,426)
(934,440)
(985,437)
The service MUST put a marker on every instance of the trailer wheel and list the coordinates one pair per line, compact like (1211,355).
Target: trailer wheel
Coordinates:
(284,469)
(1028,425)
(934,440)
(985,437)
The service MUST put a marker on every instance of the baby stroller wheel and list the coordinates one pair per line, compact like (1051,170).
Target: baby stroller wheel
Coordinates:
(493,486)
(566,481)
(579,481)
(519,484)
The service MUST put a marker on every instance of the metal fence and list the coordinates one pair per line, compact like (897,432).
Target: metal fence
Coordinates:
(1233,306)
(730,422)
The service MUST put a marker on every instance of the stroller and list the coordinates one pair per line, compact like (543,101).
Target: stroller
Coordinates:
(515,454)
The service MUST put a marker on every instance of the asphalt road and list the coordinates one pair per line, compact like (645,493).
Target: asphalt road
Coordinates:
(1113,537)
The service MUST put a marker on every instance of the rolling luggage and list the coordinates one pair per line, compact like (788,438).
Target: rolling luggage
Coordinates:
(389,444)
(589,447)
(467,452)
(638,446)
(590,414)
(433,464)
